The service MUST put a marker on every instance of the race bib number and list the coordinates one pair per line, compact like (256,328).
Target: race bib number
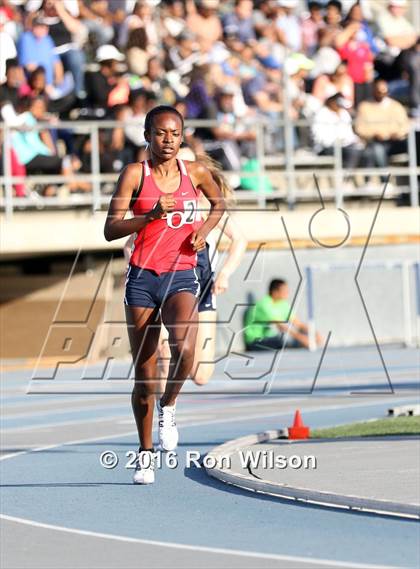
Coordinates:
(176,219)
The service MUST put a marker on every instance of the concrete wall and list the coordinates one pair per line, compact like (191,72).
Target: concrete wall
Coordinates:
(337,303)
(53,232)
(52,316)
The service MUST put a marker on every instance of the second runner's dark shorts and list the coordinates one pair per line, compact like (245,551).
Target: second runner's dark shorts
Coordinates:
(206,277)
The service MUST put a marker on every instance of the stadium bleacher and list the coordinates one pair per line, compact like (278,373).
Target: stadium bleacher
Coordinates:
(278,83)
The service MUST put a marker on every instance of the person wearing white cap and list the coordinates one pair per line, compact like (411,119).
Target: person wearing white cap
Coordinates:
(395,29)
(333,124)
(289,24)
(100,84)
(398,53)
(108,53)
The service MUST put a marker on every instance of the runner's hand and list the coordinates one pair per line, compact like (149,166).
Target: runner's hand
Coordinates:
(221,283)
(162,207)
(198,242)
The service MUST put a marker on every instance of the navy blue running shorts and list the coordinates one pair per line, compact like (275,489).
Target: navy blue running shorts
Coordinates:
(206,278)
(146,288)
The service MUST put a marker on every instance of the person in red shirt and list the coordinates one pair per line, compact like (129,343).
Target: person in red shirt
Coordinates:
(353,48)
(161,283)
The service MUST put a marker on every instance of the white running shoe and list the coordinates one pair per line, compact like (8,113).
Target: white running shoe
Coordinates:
(145,468)
(168,433)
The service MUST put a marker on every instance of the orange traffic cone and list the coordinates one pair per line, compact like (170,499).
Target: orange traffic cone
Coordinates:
(298,430)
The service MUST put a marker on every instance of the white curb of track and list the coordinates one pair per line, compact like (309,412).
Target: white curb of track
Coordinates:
(249,482)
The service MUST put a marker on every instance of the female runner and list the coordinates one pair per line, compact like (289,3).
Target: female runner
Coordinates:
(161,283)
(210,285)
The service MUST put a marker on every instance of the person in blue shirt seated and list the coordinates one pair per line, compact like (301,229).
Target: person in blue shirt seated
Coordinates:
(36,47)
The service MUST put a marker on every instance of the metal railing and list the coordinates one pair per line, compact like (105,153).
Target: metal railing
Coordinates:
(283,163)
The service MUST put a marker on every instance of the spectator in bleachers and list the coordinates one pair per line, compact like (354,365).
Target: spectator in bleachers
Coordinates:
(333,19)
(107,87)
(114,154)
(339,81)
(37,86)
(9,90)
(204,21)
(134,129)
(9,101)
(240,22)
(138,51)
(63,27)
(32,6)
(186,51)
(326,59)
(141,17)
(7,47)
(35,149)
(399,38)
(173,21)
(264,18)
(394,28)
(199,101)
(269,46)
(288,23)
(355,50)
(36,47)
(118,147)
(413,73)
(11,18)
(16,169)
(365,32)
(298,66)
(332,125)
(383,123)
(156,82)
(98,20)
(184,54)
(232,140)
(263,90)
(311,24)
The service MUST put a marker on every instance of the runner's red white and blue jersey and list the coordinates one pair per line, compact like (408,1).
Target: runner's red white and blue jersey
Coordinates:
(163,245)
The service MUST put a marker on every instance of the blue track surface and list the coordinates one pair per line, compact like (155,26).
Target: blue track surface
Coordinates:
(66,486)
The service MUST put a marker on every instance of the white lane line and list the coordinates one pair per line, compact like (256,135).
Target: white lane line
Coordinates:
(117,435)
(60,411)
(62,423)
(99,419)
(204,549)
(52,405)
(187,424)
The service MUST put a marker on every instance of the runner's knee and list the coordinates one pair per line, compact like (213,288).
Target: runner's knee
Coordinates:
(144,391)
(203,374)
(183,352)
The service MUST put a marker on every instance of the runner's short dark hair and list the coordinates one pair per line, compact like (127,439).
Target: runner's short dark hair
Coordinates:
(159,110)
(276,284)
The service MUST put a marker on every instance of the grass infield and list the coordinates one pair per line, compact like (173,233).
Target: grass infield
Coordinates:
(380,427)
